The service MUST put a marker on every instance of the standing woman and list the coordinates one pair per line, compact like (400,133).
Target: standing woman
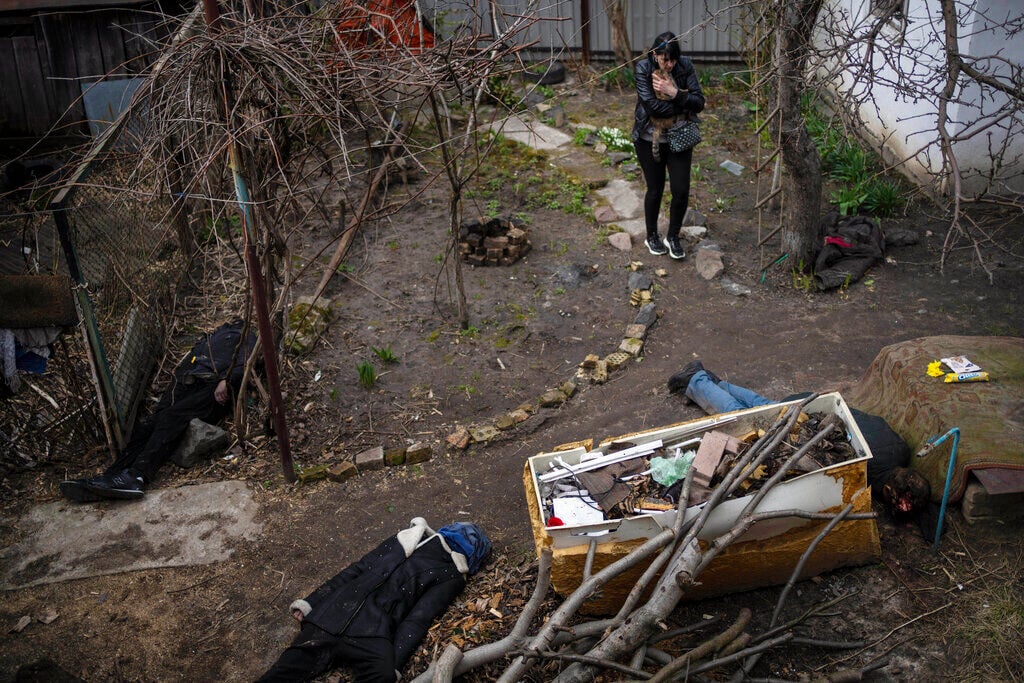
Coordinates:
(677,96)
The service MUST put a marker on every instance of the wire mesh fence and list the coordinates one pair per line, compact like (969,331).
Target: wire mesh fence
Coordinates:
(124,265)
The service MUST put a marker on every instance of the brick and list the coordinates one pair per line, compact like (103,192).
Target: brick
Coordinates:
(590,362)
(616,360)
(342,471)
(459,438)
(516,236)
(483,434)
(552,398)
(498,243)
(568,388)
(394,456)
(417,453)
(527,408)
(307,474)
(632,346)
(636,331)
(599,375)
(370,459)
(713,447)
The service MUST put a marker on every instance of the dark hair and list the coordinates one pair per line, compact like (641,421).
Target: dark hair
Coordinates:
(909,485)
(666,44)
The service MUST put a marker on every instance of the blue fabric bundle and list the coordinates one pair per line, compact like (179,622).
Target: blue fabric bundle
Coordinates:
(470,540)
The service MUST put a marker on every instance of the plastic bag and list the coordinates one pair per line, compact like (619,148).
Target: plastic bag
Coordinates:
(667,471)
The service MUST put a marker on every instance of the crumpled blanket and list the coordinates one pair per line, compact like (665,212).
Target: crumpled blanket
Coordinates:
(849,245)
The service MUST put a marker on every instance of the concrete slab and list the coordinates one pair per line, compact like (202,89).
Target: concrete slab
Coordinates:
(191,525)
(534,134)
(625,197)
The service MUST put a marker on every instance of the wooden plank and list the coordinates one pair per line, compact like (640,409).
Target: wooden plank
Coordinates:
(33,90)
(60,68)
(88,50)
(12,110)
(112,37)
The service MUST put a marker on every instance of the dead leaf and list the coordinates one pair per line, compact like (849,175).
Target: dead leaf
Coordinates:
(496,613)
(495,601)
(22,623)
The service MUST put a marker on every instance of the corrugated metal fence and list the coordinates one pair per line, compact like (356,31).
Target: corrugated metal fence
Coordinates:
(709,29)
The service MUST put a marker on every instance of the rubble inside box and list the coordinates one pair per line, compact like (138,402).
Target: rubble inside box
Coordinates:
(492,242)
(630,479)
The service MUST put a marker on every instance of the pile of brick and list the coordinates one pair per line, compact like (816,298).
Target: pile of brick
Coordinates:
(492,242)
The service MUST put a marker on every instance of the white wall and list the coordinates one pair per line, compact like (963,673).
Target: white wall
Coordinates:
(905,121)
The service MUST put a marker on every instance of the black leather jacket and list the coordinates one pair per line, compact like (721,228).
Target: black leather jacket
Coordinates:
(689,100)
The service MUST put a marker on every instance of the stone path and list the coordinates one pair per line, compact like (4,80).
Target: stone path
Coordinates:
(190,525)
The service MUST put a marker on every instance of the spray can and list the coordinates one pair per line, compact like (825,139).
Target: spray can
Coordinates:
(966,377)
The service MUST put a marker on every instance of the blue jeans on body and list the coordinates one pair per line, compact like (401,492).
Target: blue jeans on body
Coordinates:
(722,397)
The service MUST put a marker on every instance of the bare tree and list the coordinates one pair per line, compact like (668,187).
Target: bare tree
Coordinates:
(617,11)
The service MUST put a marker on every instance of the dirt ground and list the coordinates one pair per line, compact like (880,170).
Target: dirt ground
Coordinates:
(956,615)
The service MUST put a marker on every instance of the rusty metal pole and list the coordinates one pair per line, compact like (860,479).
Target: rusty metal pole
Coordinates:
(585,31)
(256,281)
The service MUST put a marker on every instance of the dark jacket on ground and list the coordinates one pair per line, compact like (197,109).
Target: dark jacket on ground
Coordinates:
(394,592)
(689,100)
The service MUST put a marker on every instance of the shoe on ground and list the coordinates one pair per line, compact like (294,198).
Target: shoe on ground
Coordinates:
(75,490)
(681,380)
(655,246)
(675,248)
(125,485)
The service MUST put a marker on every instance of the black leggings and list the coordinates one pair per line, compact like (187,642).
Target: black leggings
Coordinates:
(678,166)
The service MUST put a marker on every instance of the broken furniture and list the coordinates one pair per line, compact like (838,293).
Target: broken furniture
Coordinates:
(765,555)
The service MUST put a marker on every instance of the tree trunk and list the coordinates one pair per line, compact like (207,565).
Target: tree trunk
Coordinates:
(616,11)
(801,182)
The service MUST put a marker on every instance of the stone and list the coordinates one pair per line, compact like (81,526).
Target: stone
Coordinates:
(396,456)
(307,321)
(568,388)
(622,195)
(504,422)
(647,315)
(709,244)
(200,441)
(639,280)
(632,346)
(694,217)
(459,438)
(341,471)
(900,237)
(734,288)
(616,158)
(693,232)
(616,360)
(370,459)
(630,168)
(636,331)
(708,263)
(551,398)
(605,214)
(527,408)
(519,416)
(483,434)
(621,241)
(417,453)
